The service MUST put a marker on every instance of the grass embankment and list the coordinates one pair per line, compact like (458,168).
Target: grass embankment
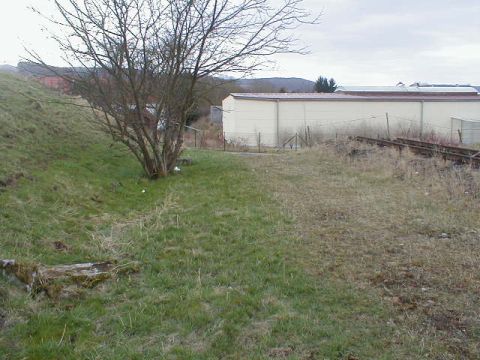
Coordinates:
(218,277)
(399,226)
(36,126)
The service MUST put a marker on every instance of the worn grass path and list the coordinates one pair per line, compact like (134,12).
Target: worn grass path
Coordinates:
(217,277)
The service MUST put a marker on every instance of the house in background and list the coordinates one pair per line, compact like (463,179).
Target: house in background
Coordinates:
(57,83)
(58,78)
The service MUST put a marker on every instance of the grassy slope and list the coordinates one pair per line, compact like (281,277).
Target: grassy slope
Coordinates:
(36,126)
(217,277)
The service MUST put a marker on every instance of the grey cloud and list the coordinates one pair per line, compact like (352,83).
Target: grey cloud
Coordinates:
(371,41)
(358,41)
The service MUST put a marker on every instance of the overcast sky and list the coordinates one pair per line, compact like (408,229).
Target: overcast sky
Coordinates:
(358,42)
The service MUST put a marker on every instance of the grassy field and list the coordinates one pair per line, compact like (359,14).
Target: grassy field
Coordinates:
(400,226)
(217,279)
(240,257)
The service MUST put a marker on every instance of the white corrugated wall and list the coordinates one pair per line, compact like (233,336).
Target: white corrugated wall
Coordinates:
(244,119)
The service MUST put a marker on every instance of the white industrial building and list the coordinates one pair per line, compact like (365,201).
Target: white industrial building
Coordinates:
(449,112)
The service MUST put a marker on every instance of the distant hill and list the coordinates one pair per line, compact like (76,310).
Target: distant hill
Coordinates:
(276,84)
(34,69)
(9,69)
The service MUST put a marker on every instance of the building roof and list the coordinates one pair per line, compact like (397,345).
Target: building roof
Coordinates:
(348,97)
(466,119)
(291,96)
(408,90)
(423,84)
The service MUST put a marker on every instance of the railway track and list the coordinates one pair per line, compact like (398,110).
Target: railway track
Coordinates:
(453,153)
(455,149)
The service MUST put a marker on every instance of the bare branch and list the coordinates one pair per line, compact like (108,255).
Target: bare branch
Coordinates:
(139,62)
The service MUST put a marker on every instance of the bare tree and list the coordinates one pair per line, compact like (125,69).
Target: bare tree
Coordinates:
(140,61)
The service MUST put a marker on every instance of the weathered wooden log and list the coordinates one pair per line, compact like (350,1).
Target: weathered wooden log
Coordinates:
(53,279)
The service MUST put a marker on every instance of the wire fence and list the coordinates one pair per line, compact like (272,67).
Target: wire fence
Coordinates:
(238,142)
(290,138)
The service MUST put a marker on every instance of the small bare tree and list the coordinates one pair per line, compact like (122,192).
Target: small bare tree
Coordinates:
(139,61)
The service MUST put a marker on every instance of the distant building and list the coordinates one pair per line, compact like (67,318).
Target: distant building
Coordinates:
(57,83)
(216,114)
(446,111)
(58,78)
(420,84)
(402,90)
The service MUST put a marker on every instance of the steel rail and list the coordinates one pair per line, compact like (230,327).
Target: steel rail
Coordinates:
(456,154)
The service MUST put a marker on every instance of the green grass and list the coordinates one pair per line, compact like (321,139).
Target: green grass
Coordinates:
(36,126)
(219,276)
(216,280)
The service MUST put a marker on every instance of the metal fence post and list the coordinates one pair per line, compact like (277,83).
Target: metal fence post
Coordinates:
(195,132)
(224,142)
(388,126)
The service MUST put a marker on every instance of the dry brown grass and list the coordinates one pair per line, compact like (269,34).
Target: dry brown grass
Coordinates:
(403,226)
(208,135)
(116,238)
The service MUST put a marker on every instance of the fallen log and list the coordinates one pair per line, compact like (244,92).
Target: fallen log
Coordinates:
(55,280)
